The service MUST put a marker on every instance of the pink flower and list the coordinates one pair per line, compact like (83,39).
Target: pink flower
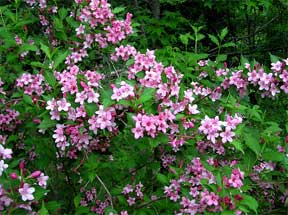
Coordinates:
(127,189)
(227,135)
(26,192)
(131,201)
(42,180)
(63,105)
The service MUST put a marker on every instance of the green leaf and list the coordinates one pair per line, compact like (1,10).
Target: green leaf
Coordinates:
(82,210)
(60,58)
(38,64)
(77,200)
(130,62)
(238,145)
(162,178)
(110,210)
(229,44)
(46,50)
(274,58)
(223,33)
(47,123)
(214,39)
(147,95)
(50,78)
(43,210)
(252,140)
(221,58)
(118,10)
(63,12)
(250,202)
(91,108)
(273,156)
(27,99)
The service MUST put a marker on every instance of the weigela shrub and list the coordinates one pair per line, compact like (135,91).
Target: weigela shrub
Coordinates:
(91,125)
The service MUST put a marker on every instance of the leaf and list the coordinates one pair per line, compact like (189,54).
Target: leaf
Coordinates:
(82,210)
(109,211)
(47,123)
(118,10)
(252,140)
(130,62)
(223,33)
(273,58)
(147,95)
(60,58)
(46,50)
(63,12)
(238,145)
(229,44)
(273,156)
(250,202)
(27,99)
(43,210)
(214,39)
(77,200)
(221,58)
(184,38)
(38,64)
(90,109)
(162,178)
(50,78)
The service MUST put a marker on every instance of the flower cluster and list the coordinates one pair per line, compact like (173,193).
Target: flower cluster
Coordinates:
(199,199)
(32,84)
(133,194)
(214,128)
(152,124)
(123,92)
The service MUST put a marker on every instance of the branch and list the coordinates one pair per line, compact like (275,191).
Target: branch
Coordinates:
(104,186)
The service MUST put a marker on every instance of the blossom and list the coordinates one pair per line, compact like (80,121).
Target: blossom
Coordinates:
(42,180)
(63,105)
(26,192)
(3,166)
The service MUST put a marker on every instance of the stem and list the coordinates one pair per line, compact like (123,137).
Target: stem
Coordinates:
(104,186)
(150,202)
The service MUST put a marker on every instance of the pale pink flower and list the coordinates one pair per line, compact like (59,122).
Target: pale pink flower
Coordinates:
(26,192)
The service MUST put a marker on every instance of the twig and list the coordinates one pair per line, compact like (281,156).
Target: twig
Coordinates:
(104,186)
(150,202)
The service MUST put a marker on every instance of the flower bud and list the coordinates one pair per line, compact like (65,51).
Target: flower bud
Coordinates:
(36,174)
(22,165)
(13,176)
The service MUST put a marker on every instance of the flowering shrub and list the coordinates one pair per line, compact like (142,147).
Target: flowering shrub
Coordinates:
(90,125)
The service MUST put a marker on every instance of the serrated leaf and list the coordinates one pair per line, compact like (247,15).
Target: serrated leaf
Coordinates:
(273,156)
(43,210)
(214,39)
(147,95)
(223,33)
(273,58)
(38,64)
(50,78)
(60,58)
(221,58)
(229,44)
(118,10)
(47,123)
(63,12)
(238,145)
(162,178)
(90,109)
(252,140)
(250,202)
(46,50)
(77,200)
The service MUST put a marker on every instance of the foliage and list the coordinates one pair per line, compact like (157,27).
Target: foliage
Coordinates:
(91,125)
